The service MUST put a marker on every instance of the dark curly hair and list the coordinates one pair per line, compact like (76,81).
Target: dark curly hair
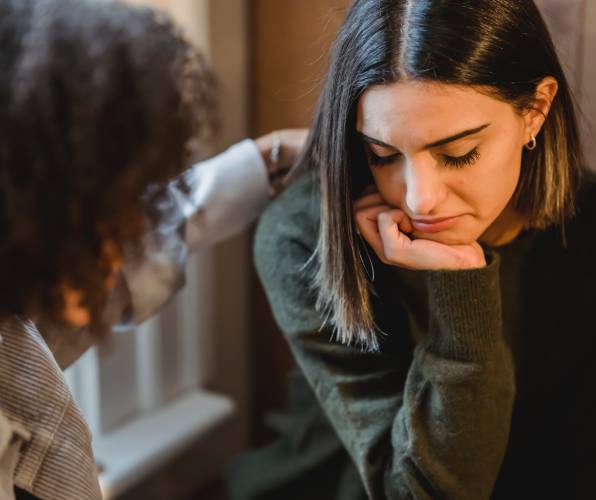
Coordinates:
(100,103)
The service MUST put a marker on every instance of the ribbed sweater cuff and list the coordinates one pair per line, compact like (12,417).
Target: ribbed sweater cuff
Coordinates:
(465,311)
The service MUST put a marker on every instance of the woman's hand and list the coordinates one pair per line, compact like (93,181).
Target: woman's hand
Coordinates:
(280,150)
(386,230)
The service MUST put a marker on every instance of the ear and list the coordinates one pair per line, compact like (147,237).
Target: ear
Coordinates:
(544,96)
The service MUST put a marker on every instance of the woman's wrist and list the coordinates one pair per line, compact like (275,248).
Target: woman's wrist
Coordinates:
(475,259)
(465,311)
(270,146)
(280,150)
(265,145)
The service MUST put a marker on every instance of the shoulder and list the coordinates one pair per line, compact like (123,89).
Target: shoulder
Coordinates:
(289,227)
(285,240)
(293,215)
(575,240)
(581,226)
(586,196)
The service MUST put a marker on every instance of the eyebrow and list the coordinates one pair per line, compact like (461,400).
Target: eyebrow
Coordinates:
(440,142)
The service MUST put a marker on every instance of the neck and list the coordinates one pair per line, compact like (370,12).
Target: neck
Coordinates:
(504,229)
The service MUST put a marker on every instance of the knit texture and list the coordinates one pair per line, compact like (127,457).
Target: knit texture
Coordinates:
(475,392)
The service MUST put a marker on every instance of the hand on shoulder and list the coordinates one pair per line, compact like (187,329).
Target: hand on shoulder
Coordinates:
(280,151)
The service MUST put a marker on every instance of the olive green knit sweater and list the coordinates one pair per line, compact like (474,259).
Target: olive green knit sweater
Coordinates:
(465,399)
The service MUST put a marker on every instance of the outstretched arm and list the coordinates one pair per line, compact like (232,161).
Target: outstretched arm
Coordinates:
(224,195)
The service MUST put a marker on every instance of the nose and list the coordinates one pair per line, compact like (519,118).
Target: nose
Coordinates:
(425,189)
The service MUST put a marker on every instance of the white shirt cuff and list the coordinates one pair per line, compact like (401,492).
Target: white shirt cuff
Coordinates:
(228,192)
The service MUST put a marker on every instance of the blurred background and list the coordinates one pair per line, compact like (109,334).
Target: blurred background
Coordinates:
(171,404)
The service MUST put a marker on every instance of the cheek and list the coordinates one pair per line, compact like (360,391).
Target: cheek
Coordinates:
(506,175)
(494,183)
(388,185)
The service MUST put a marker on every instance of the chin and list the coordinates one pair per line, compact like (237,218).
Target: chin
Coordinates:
(451,238)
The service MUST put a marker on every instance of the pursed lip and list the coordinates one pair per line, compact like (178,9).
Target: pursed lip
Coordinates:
(434,225)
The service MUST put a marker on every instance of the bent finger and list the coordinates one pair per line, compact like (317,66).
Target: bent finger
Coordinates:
(395,241)
(367,225)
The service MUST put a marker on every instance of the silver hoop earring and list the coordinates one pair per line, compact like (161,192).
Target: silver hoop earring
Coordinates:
(532,144)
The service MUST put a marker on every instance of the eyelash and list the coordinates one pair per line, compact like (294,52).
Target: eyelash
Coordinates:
(462,161)
(455,162)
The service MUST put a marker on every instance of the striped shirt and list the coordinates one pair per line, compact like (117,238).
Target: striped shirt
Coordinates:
(35,397)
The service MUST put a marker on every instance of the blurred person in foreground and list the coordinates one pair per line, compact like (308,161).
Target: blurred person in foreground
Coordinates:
(103,108)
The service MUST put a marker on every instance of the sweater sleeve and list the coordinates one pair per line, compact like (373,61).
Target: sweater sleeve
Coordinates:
(441,430)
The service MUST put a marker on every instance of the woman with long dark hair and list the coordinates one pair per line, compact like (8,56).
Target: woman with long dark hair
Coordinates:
(433,270)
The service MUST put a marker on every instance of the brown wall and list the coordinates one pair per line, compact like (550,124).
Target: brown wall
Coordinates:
(290,42)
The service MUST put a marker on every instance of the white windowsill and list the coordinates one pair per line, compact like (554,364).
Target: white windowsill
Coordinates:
(132,452)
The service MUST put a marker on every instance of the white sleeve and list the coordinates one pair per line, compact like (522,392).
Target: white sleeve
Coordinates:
(226,194)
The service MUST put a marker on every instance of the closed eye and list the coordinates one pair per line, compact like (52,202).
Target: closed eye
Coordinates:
(379,161)
(449,161)
(462,161)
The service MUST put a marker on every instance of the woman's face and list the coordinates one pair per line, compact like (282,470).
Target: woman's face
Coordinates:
(448,156)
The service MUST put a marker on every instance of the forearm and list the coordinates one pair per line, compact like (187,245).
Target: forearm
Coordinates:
(450,436)
(226,194)
(218,198)
(452,433)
